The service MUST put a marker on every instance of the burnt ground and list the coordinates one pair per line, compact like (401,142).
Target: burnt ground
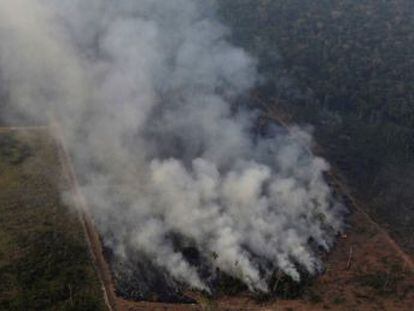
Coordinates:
(365,271)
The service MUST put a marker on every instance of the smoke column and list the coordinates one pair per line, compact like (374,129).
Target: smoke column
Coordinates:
(146,92)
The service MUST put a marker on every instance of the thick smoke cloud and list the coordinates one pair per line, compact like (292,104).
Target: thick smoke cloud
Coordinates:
(145,92)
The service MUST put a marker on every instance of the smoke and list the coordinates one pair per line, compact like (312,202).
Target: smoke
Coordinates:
(146,92)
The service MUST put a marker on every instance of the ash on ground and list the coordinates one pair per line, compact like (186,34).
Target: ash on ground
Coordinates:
(141,280)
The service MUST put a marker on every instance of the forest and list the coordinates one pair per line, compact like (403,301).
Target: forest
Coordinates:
(346,67)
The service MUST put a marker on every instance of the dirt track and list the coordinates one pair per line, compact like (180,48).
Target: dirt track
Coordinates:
(23,128)
(91,234)
(376,247)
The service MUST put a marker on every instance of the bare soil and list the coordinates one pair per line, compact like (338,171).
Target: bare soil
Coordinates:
(366,270)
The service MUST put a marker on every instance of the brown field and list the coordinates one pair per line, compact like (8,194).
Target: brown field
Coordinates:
(366,270)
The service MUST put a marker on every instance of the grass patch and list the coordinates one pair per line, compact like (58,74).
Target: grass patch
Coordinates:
(12,150)
(339,300)
(44,259)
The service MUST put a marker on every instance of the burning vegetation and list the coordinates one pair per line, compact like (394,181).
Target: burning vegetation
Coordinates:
(188,195)
(151,99)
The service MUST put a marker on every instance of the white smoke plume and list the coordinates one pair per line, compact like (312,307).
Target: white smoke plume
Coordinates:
(146,91)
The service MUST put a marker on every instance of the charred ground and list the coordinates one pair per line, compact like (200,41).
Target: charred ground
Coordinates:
(365,271)
(345,67)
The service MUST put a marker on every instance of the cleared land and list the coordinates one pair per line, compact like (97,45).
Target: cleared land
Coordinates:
(45,264)
(364,272)
(44,258)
